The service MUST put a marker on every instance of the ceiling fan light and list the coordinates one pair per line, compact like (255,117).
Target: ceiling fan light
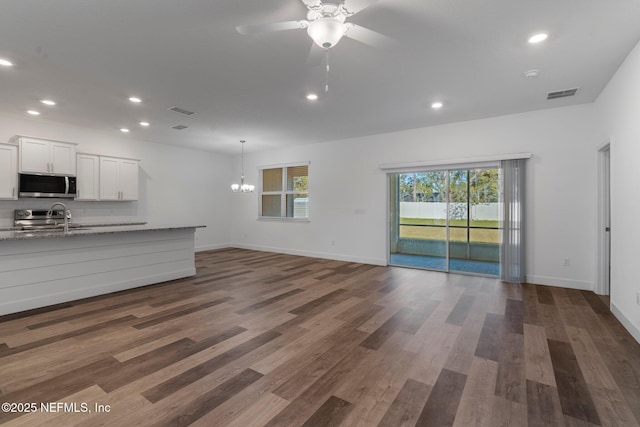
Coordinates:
(326,32)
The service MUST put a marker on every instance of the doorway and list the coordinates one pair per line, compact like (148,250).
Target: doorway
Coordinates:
(603,286)
(447,220)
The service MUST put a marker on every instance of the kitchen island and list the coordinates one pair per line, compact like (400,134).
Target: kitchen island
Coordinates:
(41,268)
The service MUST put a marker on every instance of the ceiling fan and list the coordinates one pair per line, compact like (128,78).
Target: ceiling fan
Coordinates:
(326,25)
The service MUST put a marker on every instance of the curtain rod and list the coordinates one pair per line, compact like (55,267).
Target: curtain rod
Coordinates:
(453,162)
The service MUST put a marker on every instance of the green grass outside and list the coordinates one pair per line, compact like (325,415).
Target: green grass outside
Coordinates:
(408,230)
(453,222)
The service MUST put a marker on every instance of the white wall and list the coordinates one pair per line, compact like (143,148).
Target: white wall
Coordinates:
(619,106)
(348,206)
(178,186)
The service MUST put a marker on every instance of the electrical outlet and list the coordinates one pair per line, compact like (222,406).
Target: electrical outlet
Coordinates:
(567,262)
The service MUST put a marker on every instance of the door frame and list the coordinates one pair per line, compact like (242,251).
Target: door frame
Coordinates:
(603,262)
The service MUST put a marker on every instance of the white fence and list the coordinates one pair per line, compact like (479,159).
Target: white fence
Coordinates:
(301,207)
(438,210)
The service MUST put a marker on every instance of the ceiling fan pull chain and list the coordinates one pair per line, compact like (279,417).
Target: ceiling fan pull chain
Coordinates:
(326,87)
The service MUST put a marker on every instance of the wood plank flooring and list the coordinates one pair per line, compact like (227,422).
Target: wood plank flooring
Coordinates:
(265,339)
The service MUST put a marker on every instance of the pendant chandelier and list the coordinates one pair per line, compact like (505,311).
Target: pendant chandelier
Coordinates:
(242,187)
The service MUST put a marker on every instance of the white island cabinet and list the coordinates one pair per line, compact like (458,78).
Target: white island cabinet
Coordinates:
(118,179)
(38,269)
(8,172)
(46,157)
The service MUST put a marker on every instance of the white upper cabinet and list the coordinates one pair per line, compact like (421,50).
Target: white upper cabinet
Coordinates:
(63,158)
(129,179)
(49,157)
(8,172)
(118,179)
(88,178)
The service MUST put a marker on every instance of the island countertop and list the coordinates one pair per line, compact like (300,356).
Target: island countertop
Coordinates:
(88,230)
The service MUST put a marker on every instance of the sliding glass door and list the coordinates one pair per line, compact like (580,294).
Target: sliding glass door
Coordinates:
(447,220)
(419,236)
(474,221)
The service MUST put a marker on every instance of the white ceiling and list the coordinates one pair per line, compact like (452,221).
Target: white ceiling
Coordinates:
(91,55)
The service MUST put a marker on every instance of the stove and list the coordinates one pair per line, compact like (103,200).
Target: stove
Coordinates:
(33,219)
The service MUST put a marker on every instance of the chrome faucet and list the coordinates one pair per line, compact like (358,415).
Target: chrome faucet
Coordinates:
(66,218)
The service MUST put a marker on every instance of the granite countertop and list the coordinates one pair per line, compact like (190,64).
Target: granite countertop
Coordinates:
(87,230)
(81,224)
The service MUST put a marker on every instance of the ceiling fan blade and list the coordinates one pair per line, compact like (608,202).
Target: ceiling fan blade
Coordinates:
(315,55)
(351,7)
(367,36)
(268,28)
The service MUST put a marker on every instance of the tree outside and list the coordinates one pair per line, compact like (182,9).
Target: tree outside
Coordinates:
(484,186)
(467,188)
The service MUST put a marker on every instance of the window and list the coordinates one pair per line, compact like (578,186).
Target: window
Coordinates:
(284,192)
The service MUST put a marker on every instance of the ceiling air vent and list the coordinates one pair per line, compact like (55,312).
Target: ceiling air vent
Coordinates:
(562,93)
(182,111)
(179,127)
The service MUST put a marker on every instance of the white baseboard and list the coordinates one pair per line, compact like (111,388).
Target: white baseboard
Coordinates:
(560,282)
(628,324)
(313,254)
(214,247)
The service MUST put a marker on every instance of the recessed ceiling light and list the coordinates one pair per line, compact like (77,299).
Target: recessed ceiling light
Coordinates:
(312,97)
(33,112)
(145,124)
(6,62)
(436,105)
(531,73)
(124,130)
(48,102)
(538,38)
(135,99)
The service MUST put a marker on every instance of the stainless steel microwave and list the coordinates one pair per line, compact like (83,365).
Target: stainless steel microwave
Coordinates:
(47,186)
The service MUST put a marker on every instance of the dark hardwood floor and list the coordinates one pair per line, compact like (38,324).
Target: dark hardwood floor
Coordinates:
(264,339)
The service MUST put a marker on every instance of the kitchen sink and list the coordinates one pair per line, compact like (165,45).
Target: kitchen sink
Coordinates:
(40,230)
(52,229)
